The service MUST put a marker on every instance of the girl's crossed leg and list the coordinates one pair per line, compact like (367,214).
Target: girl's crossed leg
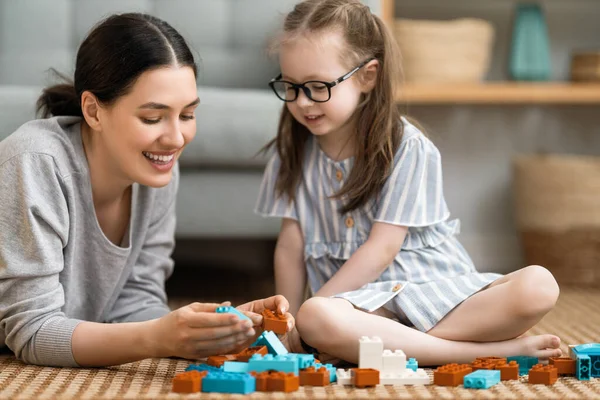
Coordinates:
(486,324)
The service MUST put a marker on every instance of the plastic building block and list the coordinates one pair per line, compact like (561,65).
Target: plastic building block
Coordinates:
(282,363)
(203,367)
(544,374)
(188,382)
(235,366)
(272,342)
(482,379)
(508,370)
(584,367)
(451,374)
(275,322)
(232,310)
(564,365)
(228,382)
(218,361)
(592,350)
(393,362)
(245,354)
(312,376)
(306,360)
(276,382)
(412,364)
(330,368)
(364,377)
(407,377)
(486,362)
(370,352)
(525,363)
(343,377)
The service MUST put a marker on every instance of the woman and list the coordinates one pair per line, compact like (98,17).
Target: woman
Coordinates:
(88,210)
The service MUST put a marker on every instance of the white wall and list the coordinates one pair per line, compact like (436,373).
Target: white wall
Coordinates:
(478,142)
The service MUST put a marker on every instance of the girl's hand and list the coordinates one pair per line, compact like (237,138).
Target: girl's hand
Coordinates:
(276,303)
(197,331)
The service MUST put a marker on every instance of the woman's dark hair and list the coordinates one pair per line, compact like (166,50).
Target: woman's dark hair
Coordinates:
(114,54)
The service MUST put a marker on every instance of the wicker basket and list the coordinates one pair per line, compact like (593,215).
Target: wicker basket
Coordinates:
(585,67)
(444,51)
(558,215)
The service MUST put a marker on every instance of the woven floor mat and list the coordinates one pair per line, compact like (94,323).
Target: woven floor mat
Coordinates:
(575,319)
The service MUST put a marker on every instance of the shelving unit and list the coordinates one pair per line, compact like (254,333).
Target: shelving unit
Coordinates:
(500,93)
(492,92)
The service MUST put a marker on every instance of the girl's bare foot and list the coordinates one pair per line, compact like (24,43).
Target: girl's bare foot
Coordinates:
(291,341)
(540,346)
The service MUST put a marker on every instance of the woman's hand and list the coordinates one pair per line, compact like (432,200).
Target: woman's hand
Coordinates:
(197,331)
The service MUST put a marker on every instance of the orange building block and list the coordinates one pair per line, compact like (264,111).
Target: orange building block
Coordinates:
(275,322)
(283,382)
(217,361)
(544,374)
(486,362)
(508,371)
(188,382)
(451,374)
(564,365)
(363,377)
(261,380)
(273,381)
(313,377)
(245,354)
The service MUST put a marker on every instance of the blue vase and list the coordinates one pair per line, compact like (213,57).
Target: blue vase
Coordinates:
(530,48)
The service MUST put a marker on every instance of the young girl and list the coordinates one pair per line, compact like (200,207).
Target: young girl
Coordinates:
(87,215)
(364,218)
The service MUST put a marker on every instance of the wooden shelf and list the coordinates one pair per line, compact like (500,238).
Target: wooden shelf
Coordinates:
(500,93)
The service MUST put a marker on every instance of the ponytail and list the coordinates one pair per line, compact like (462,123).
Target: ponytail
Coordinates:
(58,100)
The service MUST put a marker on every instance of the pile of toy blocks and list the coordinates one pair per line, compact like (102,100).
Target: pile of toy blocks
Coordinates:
(486,372)
(377,366)
(265,366)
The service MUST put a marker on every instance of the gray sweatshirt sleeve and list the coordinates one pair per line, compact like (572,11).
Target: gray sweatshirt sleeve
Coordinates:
(34,226)
(143,296)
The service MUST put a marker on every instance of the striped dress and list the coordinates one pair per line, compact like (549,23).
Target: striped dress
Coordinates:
(431,274)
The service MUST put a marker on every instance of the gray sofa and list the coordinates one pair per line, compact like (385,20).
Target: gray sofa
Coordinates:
(237,116)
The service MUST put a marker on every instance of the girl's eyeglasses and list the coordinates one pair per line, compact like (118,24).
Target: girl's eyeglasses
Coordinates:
(317,91)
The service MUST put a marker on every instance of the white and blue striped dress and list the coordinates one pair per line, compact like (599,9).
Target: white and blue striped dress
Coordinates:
(432,272)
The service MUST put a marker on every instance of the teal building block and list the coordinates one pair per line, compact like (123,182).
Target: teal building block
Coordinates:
(228,382)
(583,368)
(588,360)
(530,48)
(235,366)
(274,345)
(482,379)
(269,362)
(203,367)
(305,360)
(330,368)
(525,363)
(412,364)
(232,310)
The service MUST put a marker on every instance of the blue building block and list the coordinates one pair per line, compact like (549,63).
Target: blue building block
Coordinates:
(274,345)
(203,367)
(591,367)
(281,363)
(228,382)
(232,310)
(305,360)
(583,368)
(412,364)
(235,366)
(330,368)
(481,379)
(525,363)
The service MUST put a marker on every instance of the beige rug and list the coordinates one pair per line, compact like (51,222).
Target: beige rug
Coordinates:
(576,320)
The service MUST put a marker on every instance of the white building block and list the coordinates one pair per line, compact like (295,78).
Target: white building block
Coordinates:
(370,353)
(408,377)
(393,362)
(344,376)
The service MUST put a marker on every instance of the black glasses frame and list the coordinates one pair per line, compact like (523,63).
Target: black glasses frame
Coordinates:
(306,90)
